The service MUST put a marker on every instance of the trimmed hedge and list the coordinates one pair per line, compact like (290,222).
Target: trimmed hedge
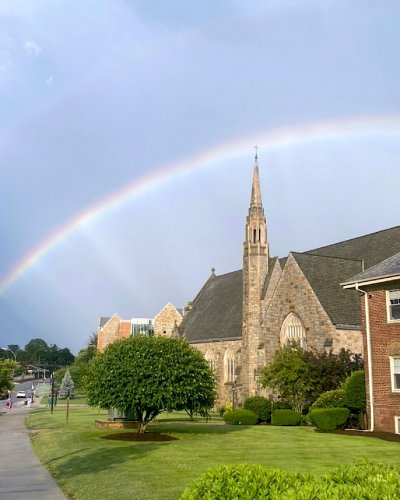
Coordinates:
(354,391)
(261,407)
(329,419)
(285,417)
(255,482)
(330,399)
(241,417)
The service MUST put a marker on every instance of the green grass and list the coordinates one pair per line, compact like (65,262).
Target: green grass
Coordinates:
(88,467)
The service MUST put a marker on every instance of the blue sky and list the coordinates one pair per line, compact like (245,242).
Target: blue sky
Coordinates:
(94,95)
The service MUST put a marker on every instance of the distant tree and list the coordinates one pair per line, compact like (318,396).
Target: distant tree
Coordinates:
(37,351)
(147,375)
(67,385)
(289,374)
(92,340)
(7,368)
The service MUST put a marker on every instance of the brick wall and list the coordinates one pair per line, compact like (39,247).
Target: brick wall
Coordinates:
(385,341)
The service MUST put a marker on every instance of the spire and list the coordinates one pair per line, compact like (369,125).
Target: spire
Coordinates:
(255,189)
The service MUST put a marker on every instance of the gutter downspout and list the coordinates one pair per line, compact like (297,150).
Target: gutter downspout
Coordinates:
(369,356)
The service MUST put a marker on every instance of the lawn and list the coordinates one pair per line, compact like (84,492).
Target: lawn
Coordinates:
(89,467)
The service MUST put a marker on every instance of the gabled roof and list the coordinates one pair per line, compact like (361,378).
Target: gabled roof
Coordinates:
(385,270)
(371,248)
(216,312)
(325,275)
(271,264)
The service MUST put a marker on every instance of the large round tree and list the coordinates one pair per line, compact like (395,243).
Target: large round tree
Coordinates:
(147,375)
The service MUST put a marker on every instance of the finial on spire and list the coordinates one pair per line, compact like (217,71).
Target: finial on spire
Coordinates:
(256,148)
(213,271)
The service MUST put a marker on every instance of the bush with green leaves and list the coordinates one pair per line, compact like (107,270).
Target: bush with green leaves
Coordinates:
(228,406)
(330,399)
(147,375)
(67,388)
(354,392)
(261,407)
(255,482)
(329,419)
(240,417)
(285,417)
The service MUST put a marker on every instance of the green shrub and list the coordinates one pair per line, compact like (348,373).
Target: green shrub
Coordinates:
(254,482)
(240,417)
(261,407)
(330,399)
(354,391)
(242,481)
(329,419)
(228,406)
(281,405)
(286,417)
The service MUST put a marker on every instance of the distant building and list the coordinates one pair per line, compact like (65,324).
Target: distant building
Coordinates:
(114,328)
(379,288)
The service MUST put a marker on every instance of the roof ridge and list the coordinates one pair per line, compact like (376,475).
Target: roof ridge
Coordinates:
(327,256)
(351,239)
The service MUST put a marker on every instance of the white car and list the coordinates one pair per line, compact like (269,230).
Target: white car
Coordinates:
(21,394)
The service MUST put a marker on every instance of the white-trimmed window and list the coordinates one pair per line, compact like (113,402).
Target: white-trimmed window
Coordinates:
(397,425)
(229,365)
(393,305)
(395,373)
(293,330)
(210,357)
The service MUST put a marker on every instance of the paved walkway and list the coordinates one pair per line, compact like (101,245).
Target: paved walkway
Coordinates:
(22,476)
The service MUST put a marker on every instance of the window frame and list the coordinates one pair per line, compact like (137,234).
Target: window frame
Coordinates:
(389,305)
(397,424)
(392,380)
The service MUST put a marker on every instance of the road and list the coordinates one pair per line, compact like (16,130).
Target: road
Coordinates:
(40,388)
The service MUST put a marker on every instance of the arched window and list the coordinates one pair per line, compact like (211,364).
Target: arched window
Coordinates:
(210,357)
(230,366)
(293,330)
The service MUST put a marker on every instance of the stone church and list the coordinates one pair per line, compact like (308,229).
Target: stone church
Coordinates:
(239,319)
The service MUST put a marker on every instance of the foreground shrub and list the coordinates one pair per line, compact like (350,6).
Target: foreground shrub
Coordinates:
(285,417)
(329,419)
(254,482)
(242,481)
(330,399)
(260,406)
(240,417)
(228,406)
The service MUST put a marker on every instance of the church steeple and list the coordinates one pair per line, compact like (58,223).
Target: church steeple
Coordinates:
(255,188)
(255,270)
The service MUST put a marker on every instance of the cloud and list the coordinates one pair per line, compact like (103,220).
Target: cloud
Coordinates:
(32,48)
(50,80)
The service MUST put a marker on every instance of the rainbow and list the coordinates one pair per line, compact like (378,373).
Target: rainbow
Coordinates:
(387,126)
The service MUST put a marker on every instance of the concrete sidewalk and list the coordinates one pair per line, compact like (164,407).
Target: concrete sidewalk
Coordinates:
(22,476)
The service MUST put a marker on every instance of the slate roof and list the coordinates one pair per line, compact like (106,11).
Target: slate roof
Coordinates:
(325,275)
(216,312)
(103,320)
(388,268)
(372,248)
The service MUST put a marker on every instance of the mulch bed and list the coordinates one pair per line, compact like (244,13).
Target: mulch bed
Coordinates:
(134,436)
(387,436)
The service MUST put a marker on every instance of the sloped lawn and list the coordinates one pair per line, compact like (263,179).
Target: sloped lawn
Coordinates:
(88,467)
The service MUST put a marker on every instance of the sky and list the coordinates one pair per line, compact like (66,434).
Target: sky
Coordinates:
(127,134)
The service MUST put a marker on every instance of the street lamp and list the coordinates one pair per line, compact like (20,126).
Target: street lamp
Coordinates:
(12,352)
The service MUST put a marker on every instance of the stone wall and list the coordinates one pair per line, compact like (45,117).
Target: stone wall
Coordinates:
(217,351)
(166,321)
(294,294)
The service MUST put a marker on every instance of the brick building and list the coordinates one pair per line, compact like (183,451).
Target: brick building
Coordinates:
(239,319)
(379,288)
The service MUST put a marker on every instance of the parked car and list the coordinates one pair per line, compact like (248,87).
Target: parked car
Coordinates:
(21,394)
